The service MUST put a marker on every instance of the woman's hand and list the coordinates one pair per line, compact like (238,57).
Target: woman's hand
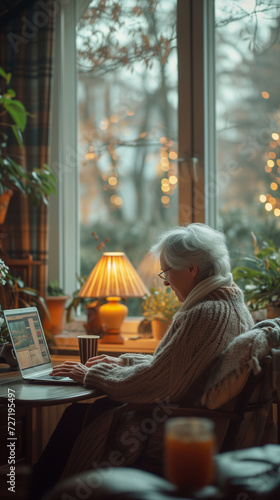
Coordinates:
(103,358)
(71,369)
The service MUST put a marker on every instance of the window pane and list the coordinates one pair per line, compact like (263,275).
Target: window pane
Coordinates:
(247,114)
(127,97)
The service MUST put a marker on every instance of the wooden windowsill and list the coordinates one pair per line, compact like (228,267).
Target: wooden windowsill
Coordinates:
(67,342)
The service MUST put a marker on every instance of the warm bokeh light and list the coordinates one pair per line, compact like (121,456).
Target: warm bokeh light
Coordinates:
(165,199)
(273,186)
(162,140)
(164,168)
(273,144)
(116,200)
(112,181)
(164,162)
(270,163)
(173,155)
(272,201)
(265,95)
(90,154)
(267,169)
(130,112)
(104,124)
(115,118)
(262,198)
(272,155)
(165,188)
(268,207)
(165,181)
(173,179)
(275,136)
(276,212)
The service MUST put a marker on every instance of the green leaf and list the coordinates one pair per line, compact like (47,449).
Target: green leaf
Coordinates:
(5,75)
(17,111)
(19,170)
(35,175)
(246,272)
(11,92)
(17,134)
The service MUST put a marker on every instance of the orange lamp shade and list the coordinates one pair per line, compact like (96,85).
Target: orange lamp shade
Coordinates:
(113,275)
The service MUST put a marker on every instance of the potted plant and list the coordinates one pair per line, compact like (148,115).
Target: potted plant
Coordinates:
(260,279)
(159,307)
(37,184)
(14,294)
(54,322)
(93,325)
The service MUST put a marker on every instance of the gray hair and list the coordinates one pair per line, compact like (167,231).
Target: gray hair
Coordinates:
(194,244)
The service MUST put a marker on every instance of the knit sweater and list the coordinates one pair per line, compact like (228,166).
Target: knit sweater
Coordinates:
(212,315)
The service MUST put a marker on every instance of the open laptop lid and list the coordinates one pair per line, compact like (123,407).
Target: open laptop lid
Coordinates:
(29,340)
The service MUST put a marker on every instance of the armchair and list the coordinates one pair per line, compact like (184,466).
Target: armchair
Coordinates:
(238,396)
(242,422)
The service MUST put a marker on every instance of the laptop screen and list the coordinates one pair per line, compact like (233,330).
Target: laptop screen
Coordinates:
(28,337)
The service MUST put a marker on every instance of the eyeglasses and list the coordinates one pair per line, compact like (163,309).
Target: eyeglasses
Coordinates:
(162,275)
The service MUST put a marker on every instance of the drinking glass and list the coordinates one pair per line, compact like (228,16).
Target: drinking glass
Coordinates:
(189,451)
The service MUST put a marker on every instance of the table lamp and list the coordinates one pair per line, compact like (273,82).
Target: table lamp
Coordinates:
(113,278)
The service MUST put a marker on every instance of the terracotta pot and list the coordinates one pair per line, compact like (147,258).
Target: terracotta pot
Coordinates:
(159,328)
(4,203)
(93,325)
(56,307)
(273,312)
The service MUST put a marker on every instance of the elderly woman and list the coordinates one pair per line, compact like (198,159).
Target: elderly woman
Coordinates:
(195,263)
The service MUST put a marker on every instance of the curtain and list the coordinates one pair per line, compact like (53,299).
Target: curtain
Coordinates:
(26,39)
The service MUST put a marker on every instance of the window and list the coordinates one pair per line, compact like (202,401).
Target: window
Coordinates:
(227,136)
(247,119)
(127,137)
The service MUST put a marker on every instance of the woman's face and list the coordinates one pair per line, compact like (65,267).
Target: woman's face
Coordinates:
(181,281)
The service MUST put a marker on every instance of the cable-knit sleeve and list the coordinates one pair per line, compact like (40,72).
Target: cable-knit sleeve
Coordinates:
(188,347)
(130,359)
(137,382)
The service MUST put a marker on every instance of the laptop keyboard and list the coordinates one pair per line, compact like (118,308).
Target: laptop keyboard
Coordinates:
(49,377)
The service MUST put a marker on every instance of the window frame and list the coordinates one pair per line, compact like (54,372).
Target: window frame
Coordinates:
(196,88)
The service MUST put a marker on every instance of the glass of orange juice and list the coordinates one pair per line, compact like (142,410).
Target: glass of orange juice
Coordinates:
(189,451)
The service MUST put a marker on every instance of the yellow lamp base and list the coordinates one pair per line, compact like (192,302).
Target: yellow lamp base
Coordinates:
(112,315)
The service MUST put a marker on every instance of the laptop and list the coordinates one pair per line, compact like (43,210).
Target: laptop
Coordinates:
(30,347)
